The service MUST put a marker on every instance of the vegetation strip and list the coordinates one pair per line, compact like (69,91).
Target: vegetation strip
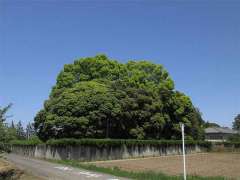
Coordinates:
(147,175)
(109,142)
(117,142)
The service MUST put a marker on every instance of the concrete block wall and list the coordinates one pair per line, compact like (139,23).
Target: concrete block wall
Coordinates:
(94,153)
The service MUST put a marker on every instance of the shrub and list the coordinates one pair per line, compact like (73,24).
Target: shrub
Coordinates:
(109,142)
(26,142)
(119,142)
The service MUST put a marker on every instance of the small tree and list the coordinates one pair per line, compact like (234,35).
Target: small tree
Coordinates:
(3,112)
(20,131)
(6,133)
(3,131)
(211,124)
(12,125)
(30,130)
(236,123)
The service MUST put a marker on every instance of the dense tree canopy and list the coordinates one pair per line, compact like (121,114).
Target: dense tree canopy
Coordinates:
(101,98)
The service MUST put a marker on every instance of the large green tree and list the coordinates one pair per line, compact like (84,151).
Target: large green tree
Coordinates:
(97,97)
(236,123)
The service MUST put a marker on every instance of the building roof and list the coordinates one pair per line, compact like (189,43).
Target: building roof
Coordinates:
(220,130)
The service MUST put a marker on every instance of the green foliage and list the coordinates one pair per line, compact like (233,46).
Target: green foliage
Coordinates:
(4,136)
(234,138)
(210,124)
(33,141)
(13,131)
(110,142)
(20,131)
(6,133)
(120,142)
(236,123)
(100,98)
(30,131)
(3,111)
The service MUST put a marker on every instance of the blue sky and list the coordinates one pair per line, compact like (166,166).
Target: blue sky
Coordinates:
(198,42)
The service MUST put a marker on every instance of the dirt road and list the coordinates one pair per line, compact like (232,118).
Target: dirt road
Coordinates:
(51,171)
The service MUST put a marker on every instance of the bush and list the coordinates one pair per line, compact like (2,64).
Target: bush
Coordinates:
(109,142)
(33,142)
(234,138)
(232,144)
(119,142)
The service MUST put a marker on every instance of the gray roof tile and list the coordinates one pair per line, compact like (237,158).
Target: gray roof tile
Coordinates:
(220,130)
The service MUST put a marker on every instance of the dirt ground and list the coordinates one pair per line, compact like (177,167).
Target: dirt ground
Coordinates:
(2,164)
(8,170)
(208,164)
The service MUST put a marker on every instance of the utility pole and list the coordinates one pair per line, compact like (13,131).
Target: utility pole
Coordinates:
(183,152)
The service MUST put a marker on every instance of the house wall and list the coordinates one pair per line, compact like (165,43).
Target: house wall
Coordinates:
(217,137)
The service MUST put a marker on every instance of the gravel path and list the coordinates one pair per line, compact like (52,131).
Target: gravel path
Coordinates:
(51,171)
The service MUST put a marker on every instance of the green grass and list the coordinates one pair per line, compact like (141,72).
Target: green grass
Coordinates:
(146,175)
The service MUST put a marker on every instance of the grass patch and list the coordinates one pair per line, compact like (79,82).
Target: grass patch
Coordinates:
(146,175)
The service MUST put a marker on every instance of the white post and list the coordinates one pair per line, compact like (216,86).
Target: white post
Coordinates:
(183,151)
